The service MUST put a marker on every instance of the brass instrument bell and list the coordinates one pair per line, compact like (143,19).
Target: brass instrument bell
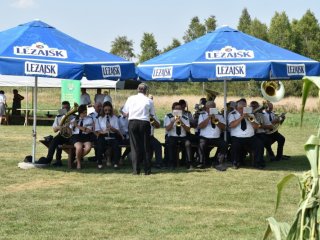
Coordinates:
(272,90)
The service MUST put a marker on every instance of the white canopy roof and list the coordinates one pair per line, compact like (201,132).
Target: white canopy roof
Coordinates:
(23,81)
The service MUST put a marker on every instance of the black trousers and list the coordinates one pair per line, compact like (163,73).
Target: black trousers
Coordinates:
(139,135)
(102,147)
(203,147)
(56,141)
(157,149)
(266,142)
(172,149)
(251,144)
(280,139)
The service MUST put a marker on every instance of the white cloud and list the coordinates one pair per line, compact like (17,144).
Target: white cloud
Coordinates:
(23,3)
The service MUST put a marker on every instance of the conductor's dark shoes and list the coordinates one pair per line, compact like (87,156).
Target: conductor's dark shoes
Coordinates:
(57,164)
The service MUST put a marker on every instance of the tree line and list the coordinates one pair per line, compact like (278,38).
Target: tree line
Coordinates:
(301,36)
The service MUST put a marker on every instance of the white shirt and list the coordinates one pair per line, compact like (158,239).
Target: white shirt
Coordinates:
(139,107)
(2,98)
(209,131)
(107,98)
(261,119)
(85,99)
(102,123)
(87,122)
(237,131)
(58,118)
(99,98)
(123,124)
(167,120)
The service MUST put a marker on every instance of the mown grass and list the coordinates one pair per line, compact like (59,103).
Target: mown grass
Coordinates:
(57,203)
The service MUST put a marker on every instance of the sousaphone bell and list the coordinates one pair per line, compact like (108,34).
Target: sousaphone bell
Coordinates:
(272,90)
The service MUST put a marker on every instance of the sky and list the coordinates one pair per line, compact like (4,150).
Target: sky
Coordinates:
(99,22)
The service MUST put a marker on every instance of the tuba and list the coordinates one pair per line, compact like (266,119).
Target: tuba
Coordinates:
(272,90)
(65,130)
(211,95)
(276,126)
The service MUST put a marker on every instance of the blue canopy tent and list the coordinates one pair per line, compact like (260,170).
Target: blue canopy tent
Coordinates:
(38,49)
(225,55)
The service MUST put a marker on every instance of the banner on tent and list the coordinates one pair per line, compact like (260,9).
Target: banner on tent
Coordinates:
(70,91)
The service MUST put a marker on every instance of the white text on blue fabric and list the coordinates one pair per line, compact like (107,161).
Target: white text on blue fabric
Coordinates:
(45,69)
(231,70)
(162,72)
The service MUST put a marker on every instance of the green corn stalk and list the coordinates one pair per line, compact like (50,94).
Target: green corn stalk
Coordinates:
(306,224)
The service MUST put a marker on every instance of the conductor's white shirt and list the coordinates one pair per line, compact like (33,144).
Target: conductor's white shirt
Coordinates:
(139,107)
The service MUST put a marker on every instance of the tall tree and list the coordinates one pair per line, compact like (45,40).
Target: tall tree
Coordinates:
(307,30)
(195,30)
(123,47)
(175,43)
(210,23)
(244,21)
(148,47)
(259,30)
(280,32)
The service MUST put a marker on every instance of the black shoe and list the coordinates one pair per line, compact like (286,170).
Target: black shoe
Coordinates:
(285,157)
(147,172)
(57,164)
(274,159)
(235,166)
(201,166)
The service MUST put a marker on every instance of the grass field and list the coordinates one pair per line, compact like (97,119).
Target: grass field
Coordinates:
(57,203)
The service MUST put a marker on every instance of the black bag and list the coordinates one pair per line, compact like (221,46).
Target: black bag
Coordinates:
(48,138)
(43,160)
(28,159)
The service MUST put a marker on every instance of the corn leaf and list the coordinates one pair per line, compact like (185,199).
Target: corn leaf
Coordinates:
(307,83)
(278,229)
(281,185)
(312,151)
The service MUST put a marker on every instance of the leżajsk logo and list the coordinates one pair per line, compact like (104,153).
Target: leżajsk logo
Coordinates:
(162,72)
(44,69)
(296,69)
(228,52)
(40,49)
(111,71)
(231,70)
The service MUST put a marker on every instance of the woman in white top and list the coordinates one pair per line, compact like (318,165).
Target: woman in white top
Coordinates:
(3,105)
(108,132)
(82,128)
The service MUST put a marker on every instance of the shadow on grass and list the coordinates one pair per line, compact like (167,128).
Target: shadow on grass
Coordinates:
(297,163)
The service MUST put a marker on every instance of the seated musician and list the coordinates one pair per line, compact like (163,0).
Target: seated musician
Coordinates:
(263,126)
(155,144)
(82,128)
(274,120)
(211,125)
(243,137)
(107,128)
(124,130)
(58,139)
(94,115)
(177,128)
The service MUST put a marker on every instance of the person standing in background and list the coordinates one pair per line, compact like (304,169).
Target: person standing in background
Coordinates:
(16,103)
(85,97)
(139,108)
(3,105)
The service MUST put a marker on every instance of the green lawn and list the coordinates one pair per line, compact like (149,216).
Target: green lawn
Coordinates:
(57,203)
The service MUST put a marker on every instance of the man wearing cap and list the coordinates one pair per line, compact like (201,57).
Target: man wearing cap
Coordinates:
(139,108)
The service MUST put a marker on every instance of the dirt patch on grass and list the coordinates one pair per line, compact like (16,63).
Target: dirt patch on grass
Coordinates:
(36,184)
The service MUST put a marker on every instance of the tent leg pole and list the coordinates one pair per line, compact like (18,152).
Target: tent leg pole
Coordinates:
(34,131)
(225,107)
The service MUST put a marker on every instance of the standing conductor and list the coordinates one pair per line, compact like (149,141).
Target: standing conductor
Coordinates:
(139,108)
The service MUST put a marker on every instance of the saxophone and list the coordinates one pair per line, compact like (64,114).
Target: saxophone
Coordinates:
(65,130)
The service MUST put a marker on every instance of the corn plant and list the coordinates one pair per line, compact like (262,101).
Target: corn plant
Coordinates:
(306,224)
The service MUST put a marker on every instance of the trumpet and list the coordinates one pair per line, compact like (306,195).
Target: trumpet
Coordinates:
(178,123)
(214,120)
(152,120)
(251,118)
